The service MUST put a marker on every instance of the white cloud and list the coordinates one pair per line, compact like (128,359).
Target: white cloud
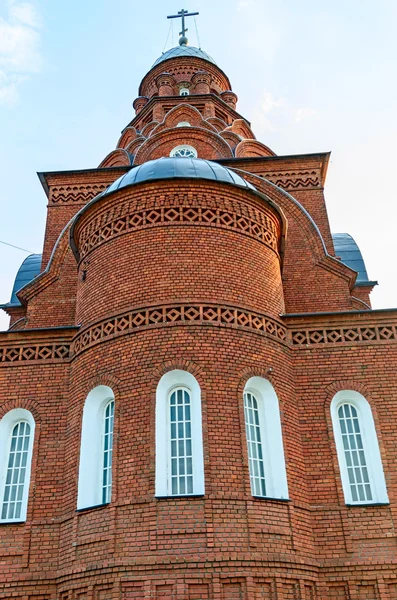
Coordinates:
(303,114)
(19,48)
(269,103)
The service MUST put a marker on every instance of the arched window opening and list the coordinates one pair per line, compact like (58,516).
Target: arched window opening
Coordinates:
(181,442)
(16,445)
(184,91)
(96,449)
(184,151)
(357,447)
(254,442)
(179,445)
(266,462)
(107,452)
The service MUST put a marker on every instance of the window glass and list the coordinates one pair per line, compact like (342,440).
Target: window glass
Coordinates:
(254,443)
(107,452)
(15,477)
(356,463)
(184,152)
(181,443)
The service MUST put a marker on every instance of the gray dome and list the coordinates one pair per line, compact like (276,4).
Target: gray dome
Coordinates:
(178,168)
(184,51)
(350,254)
(28,270)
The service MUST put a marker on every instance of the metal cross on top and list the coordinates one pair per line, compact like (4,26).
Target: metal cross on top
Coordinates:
(182,14)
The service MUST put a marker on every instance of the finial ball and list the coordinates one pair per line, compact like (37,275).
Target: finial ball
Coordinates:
(183,40)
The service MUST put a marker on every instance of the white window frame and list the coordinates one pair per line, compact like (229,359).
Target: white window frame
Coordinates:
(184,91)
(184,147)
(370,444)
(90,485)
(271,438)
(7,425)
(169,382)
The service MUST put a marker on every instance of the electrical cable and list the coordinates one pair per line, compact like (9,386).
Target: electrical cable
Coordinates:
(17,247)
(197,33)
(168,35)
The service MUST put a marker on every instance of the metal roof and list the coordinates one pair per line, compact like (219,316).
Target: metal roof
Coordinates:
(28,270)
(184,51)
(349,253)
(178,168)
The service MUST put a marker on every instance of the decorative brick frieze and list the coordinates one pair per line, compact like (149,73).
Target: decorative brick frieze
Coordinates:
(179,314)
(34,352)
(343,335)
(127,218)
(76,193)
(289,180)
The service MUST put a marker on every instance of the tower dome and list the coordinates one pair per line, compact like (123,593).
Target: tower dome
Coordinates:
(184,51)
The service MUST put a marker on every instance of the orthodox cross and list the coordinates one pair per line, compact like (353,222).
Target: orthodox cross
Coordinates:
(182,14)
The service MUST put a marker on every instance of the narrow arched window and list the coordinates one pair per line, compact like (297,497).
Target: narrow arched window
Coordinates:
(16,444)
(179,446)
(358,449)
(254,443)
(108,419)
(264,440)
(96,449)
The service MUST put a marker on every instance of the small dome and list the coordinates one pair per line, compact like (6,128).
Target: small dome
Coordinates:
(177,168)
(350,254)
(28,270)
(184,51)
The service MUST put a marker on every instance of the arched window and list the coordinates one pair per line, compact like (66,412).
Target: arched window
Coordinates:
(16,446)
(184,91)
(179,445)
(264,440)
(96,449)
(184,151)
(357,446)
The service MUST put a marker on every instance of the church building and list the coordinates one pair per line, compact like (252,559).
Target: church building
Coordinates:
(197,401)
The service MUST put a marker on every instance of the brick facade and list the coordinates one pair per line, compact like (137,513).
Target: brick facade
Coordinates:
(227,283)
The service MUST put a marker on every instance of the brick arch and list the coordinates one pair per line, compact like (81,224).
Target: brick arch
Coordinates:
(254,371)
(180,364)
(209,145)
(149,128)
(135,144)
(242,128)
(53,269)
(116,158)
(252,148)
(183,112)
(129,134)
(219,124)
(28,404)
(232,138)
(345,384)
(287,204)
(102,378)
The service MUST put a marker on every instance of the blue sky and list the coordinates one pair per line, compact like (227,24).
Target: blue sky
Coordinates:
(311,77)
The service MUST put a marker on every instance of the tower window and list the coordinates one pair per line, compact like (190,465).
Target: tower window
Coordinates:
(357,446)
(16,444)
(96,449)
(184,92)
(254,443)
(179,445)
(108,419)
(184,152)
(264,440)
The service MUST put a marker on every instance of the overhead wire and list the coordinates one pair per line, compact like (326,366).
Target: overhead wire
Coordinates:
(197,33)
(17,247)
(168,35)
